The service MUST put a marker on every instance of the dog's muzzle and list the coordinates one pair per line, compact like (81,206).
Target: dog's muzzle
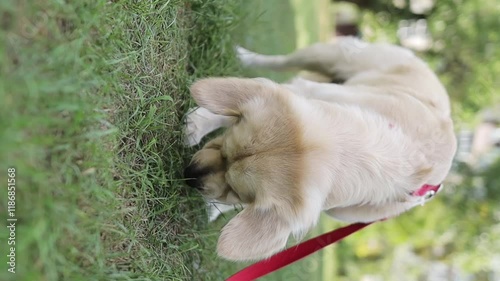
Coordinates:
(193,174)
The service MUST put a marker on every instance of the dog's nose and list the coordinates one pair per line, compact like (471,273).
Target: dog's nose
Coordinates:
(192,175)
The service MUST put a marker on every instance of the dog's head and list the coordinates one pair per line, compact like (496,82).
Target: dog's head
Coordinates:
(257,161)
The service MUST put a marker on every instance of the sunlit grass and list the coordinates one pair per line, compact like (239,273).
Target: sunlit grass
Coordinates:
(93,96)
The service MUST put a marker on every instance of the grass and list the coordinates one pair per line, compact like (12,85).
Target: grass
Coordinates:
(313,21)
(93,95)
(93,98)
(268,28)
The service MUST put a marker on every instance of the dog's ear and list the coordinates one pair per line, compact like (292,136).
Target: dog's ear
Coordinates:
(253,234)
(224,96)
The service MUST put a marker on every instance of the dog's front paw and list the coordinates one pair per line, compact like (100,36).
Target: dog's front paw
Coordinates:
(245,56)
(215,209)
(197,125)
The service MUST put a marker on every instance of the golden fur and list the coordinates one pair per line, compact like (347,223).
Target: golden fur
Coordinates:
(356,151)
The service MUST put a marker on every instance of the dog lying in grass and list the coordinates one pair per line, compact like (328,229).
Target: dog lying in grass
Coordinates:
(357,151)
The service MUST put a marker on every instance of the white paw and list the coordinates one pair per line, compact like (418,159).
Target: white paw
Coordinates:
(216,209)
(199,122)
(245,56)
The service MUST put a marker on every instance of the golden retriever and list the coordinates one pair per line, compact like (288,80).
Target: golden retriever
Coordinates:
(357,151)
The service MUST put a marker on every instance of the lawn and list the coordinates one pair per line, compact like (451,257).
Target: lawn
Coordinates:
(93,96)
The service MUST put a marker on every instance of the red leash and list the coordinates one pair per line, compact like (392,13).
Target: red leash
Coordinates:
(295,253)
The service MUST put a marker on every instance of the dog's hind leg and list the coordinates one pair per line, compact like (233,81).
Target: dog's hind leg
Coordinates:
(342,59)
(368,213)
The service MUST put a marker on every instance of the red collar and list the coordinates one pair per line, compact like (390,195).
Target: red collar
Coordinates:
(426,193)
(427,190)
(295,253)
